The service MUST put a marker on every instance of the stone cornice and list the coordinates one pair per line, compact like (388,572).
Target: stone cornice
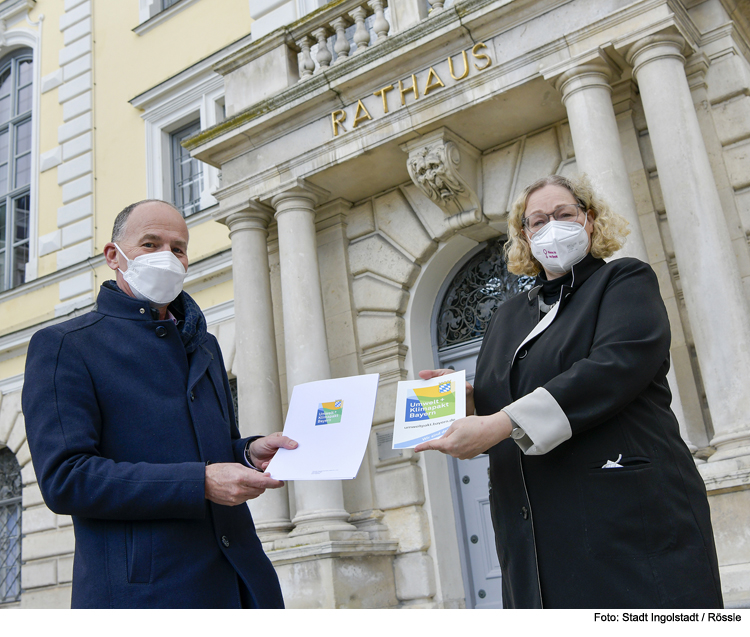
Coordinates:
(676,22)
(157,94)
(313,98)
(739,42)
(12,8)
(162,17)
(398,50)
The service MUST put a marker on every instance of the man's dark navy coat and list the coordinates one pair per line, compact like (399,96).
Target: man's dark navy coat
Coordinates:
(122,417)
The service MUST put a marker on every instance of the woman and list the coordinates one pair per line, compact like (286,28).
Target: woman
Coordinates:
(595,498)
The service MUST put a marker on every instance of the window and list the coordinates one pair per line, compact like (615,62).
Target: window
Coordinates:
(10,527)
(174,110)
(475,292)
(165,4)
(16,99)
(187,172)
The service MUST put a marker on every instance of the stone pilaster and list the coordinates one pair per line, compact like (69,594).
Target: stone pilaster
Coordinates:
(682,379)
(343,350)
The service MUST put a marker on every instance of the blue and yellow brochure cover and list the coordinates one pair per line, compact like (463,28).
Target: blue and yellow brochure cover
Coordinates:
(426,408)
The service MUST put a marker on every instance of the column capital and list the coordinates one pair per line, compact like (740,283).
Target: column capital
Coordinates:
(593,74)
(655,47)
(237,208)
(299,190)
(332,213)
(255,216)
(594,68)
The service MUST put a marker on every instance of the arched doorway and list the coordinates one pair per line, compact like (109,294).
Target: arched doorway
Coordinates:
(475,287)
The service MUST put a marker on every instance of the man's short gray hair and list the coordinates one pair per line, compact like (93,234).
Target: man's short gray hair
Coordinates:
(118,229)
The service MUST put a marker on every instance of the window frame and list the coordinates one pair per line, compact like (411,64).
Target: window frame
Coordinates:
(12,505)
(12,62)
(203,103)
(179,156)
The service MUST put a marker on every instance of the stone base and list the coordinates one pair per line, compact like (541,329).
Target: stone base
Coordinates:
(335,570)
(728,485)
(56,597)
(735,584)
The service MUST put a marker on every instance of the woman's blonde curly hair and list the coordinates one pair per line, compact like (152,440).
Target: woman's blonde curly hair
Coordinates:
(610,229)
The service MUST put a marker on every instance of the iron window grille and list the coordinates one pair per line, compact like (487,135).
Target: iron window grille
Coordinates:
(235,398)
(10,527)
(479,287)
(187,173)
(16,99)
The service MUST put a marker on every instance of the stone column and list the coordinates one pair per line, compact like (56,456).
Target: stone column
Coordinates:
(714,296)
(257,367)
(587,96)
(320,504)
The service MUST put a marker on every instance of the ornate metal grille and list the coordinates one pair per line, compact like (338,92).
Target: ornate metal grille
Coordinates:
(481,285)
(10,527)
(235,398)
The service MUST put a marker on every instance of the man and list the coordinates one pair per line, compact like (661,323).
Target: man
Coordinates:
(132,431)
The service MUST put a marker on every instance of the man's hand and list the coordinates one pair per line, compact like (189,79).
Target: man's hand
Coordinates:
(426,374)
(468,437)
(230,483)
(263,449)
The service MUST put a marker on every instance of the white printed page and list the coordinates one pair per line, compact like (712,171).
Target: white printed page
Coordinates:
(331,420)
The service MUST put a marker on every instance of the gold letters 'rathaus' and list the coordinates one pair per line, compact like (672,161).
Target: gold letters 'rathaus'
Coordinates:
(432,82)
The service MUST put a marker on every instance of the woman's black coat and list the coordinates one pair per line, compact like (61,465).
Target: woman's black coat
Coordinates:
(569,533)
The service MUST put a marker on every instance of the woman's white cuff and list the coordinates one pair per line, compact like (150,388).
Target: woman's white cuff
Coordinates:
(543,420)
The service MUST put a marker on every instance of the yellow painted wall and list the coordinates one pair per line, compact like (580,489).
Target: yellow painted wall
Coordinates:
(124,66)
(12,367)
(214,295)
(27,309)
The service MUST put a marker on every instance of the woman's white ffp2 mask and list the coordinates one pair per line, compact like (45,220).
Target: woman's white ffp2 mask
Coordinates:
(559,245)
(156,277)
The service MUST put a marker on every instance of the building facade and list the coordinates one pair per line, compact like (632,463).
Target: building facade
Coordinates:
(346,169)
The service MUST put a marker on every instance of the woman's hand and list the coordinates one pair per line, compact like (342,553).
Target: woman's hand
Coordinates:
(426,374)
(468,437)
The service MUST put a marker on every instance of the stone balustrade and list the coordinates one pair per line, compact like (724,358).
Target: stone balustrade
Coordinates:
(333,35)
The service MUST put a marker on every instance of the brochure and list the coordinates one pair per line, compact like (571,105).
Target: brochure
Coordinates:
(331,420)
(426,408)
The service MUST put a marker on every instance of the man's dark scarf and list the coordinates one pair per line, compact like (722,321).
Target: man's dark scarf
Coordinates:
(190,320)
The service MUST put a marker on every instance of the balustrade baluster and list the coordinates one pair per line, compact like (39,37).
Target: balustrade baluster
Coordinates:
(323,56)
(307,65)
(361,35)
(380,24)
(342,46)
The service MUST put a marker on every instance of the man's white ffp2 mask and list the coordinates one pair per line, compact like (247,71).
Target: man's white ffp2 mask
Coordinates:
(156,277)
